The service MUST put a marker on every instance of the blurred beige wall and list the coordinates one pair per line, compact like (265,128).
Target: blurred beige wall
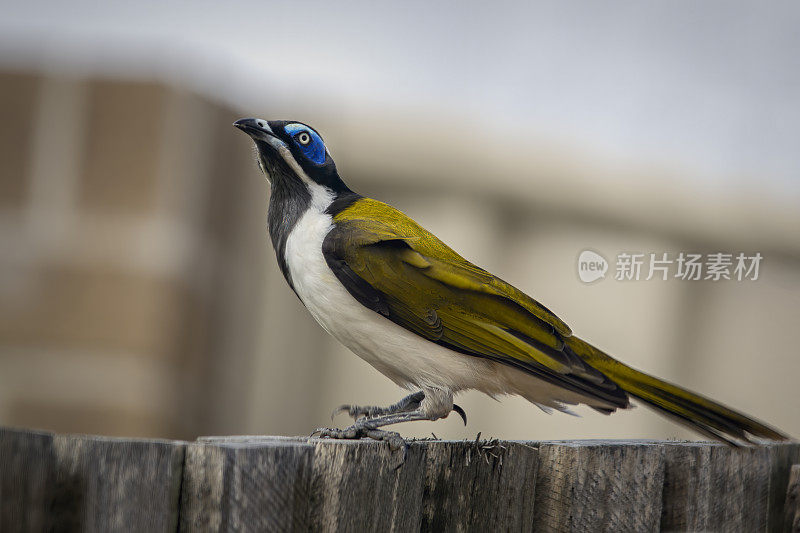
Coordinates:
(121,224)
(139,294)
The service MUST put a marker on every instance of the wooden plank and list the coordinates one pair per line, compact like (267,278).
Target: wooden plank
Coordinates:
(26,478)
(74,482)
(792,506)
(781,457)
(479,486)
(711,486)
(247,486)
(365,486)
(105,484)
(599,486)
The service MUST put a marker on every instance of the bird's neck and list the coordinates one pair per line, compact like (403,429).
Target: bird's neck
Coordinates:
(289,201)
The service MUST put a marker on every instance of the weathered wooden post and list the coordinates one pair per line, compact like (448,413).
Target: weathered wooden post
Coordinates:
(84,483)
(792,506)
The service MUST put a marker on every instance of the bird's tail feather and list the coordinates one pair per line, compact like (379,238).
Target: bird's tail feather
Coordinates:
(701,414)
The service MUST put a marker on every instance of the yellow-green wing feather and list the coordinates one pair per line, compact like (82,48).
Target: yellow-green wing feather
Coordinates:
(385,222)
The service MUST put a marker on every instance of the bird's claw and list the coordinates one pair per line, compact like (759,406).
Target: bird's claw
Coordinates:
(457,408)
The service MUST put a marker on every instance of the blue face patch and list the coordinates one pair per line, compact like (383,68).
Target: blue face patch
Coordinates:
(307,140)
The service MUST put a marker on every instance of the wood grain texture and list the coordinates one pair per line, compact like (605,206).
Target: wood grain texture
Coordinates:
(599,486)
(792,505)
(242,486)
(366,487)
(479,486)
(781,458)
(712,487)
(83,483)
(27,471)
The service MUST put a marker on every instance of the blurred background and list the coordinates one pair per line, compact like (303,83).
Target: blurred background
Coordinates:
(139,294)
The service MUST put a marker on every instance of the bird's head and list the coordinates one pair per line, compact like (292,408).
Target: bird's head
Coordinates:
(289,150)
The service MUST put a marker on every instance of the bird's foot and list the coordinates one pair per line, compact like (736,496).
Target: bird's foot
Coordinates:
(362,430)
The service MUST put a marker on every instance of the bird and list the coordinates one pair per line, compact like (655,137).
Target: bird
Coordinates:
(431,321)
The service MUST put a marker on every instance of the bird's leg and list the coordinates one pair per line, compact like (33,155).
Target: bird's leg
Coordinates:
(409,403)
(429,405)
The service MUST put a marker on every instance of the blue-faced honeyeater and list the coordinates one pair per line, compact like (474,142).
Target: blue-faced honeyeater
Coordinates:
(430,320)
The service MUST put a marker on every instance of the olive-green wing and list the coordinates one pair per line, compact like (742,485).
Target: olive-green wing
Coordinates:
(398,269)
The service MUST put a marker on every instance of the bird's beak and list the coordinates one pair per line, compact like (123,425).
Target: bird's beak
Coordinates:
(256,128)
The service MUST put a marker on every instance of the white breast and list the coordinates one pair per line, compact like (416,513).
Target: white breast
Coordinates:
(404,357)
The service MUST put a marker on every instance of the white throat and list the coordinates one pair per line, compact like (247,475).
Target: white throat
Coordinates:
(321,197)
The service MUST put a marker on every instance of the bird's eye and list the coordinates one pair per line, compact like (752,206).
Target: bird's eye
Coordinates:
(303,138)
